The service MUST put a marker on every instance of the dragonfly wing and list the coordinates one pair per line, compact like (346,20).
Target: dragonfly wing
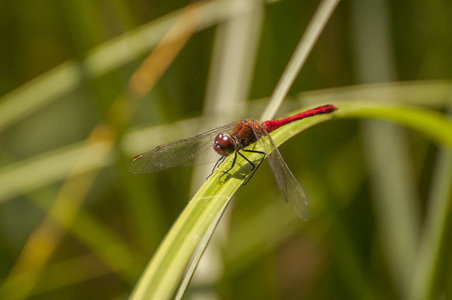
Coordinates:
(196,149)
(286,181)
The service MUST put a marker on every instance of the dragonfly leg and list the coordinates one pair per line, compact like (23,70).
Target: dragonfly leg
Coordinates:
(218,163)
(254,169)
(232,166)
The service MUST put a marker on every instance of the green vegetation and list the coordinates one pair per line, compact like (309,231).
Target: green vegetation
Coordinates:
(89,85)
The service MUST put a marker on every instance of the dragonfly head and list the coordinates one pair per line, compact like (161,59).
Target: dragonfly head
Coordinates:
(224,144)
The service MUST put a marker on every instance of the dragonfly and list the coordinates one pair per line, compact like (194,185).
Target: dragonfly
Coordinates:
(233,139)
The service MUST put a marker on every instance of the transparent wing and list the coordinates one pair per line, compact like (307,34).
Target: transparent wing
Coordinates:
(286,181)
(196,149)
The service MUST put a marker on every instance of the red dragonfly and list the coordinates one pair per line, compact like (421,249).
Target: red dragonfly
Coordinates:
(229,139)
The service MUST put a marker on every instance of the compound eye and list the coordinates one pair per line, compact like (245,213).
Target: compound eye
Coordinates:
(223,144)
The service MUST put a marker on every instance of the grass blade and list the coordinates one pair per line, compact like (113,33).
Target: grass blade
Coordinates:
(315,27)
(168,265)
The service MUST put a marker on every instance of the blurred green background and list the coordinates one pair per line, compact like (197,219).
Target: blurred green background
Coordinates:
(76,224)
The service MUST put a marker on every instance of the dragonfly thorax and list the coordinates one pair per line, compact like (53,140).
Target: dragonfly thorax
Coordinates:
(224,144)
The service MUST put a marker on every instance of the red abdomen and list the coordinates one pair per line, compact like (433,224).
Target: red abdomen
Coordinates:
(275,124)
